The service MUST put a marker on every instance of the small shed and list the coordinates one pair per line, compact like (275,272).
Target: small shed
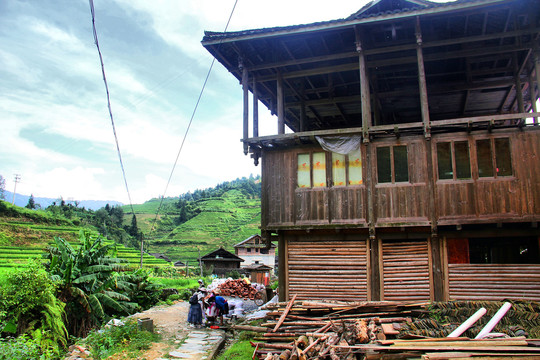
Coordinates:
(222,261)
(259,273)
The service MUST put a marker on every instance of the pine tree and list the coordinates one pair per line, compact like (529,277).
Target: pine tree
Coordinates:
(133,229)
(31,203)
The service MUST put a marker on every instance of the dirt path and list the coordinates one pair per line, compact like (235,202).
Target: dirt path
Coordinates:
(171,323)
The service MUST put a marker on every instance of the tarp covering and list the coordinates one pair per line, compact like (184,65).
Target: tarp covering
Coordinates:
(341,144)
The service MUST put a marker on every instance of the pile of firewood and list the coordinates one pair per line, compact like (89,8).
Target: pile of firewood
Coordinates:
(238,288)
(319,330)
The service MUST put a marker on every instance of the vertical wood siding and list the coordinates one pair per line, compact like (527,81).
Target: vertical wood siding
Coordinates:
(322,269)
(406,270)
(462,201)
(493,282)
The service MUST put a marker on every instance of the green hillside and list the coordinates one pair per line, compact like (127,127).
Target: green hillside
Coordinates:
(25,234)
(222,221)
(200,221)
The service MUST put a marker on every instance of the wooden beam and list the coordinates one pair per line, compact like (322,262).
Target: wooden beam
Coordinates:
(255,109)
(283,267)
(392,49)
(245,88)
(284,314)
(364,87)
(537,70)
(519,92)
(398,61)
(280,104)
(422,80)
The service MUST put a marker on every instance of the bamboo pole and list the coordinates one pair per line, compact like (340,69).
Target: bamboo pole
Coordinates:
(284,315)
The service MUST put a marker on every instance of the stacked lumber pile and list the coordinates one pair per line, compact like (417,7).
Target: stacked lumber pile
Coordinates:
(237,288)
(320,330)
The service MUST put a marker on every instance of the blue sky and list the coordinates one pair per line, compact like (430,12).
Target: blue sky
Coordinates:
(55,126)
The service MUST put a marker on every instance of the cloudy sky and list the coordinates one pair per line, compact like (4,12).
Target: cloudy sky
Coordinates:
(55,128)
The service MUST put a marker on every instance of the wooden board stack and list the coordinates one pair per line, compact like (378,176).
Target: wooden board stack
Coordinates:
(309,330)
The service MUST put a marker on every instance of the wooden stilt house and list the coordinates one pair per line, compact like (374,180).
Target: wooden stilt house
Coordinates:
(411,170)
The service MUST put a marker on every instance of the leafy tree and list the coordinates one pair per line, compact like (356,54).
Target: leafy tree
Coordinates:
(87,282)
(28,305)
(2,188)
(31,202)
(133,229)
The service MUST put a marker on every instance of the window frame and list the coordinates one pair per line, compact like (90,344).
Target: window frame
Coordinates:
(347,170)
(453,160)
(493,151)
(311,174)
(392,164)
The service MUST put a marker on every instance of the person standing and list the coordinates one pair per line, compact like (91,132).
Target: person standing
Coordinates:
(195,311)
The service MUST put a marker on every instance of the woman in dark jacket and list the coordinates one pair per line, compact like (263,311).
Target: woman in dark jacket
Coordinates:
(195,311)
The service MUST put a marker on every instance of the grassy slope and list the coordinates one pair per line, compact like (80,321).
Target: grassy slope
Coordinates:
(24,234)
(223,221)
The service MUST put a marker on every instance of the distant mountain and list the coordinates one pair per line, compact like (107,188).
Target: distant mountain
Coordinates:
(22,200)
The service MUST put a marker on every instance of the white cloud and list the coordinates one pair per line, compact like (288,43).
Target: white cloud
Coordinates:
(66,183)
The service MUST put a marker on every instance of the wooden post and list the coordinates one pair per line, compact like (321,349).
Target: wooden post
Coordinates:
(283,268)
(187,268)
(255,109)
(537,71)
(437,268)
(303,108)
(280,105)
(424,105)
(364,87)
(532,93)
(517,80)
(200,261)
(245,87)
(375,272)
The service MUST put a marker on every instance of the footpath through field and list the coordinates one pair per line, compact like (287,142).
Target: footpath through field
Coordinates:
(179,341)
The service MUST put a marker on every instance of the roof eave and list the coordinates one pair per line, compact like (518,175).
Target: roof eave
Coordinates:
(338,24)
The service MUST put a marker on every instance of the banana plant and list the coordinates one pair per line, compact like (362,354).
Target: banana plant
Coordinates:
(87,280)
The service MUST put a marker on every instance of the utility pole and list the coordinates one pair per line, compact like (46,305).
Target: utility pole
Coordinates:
(17,179)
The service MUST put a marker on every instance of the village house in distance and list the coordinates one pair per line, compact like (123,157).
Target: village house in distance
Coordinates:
(411,170)
(254,251)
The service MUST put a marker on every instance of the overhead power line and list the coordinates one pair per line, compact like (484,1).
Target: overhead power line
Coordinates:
(189,124)
(109,102)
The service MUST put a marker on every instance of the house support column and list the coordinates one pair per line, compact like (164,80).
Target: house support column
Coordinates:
(437,268)
(537,71)
(245,88)
(517,80)
(283,274)
(364,87)
(255,109)
(424,105)
(280,105)
(375,276)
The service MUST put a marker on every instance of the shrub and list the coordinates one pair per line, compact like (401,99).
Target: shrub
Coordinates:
(22,347)
(28,306)
(127,338)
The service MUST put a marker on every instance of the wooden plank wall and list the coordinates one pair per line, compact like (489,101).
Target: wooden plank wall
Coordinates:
(461,201)
(490,199)
(493,282)
(348,205)
(406,270)
(323,269)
